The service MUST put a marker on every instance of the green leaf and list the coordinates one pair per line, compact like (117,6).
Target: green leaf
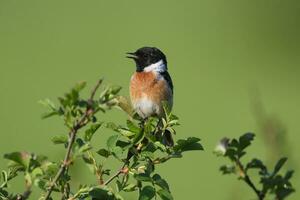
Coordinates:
(160,182)
(50,168)
(92,130)
(103,152)
(147,193)
(125,132)
(88,160)
(160,146)
(101,193)
(133,127)
(5,179)
(256,163)
(49,114)
(117,152)
(112,126)
(138,137)
(123,144)
(53,110)
(28,179)
(279,165)
(164,194)
(21,158)
(129,188)
(191,143)
(36,172)
(147,154)
(61,139)
(48,103)
(227,169)
(111,141)
(84,148)
(118,197)
(245,140)
(115,89)
(79,86)
(289,174)
(143,177)
(119,186)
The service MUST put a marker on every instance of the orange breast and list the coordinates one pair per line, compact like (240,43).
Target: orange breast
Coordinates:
(150,86)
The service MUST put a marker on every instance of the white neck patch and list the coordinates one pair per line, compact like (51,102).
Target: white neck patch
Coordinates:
(156,67)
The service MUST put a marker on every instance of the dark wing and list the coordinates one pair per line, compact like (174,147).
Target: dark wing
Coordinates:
(167,77)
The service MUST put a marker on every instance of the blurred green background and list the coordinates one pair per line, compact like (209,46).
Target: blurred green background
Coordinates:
(235,67)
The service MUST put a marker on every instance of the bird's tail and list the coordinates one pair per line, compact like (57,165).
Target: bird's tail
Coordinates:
(165,135)
(167,138)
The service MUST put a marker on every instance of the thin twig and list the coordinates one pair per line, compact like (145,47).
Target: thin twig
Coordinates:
(95,89)
(120,171)
(113,177)
(249,182)
(72,136)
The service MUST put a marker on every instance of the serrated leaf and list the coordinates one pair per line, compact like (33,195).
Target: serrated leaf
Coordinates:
(164,194)
(60,139)
(147,193)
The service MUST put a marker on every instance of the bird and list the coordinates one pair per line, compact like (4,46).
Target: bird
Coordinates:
(151,87)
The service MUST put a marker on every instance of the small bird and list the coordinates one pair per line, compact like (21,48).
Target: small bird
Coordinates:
(151,85)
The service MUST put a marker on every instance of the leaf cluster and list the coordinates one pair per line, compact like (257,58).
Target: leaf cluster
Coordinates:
(138,145)
(271,181)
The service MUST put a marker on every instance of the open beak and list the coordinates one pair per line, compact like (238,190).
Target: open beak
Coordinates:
(132,56)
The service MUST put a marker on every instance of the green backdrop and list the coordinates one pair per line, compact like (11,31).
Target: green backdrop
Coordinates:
(234,64)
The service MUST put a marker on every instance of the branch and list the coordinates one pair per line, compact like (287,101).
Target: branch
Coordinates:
(123,170)
(72,136)
(246,178)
